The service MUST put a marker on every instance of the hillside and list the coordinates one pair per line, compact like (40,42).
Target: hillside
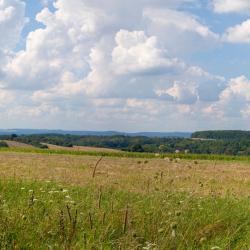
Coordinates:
(222,135)
(15,144)
(141,143)
(81,148)
(92,133)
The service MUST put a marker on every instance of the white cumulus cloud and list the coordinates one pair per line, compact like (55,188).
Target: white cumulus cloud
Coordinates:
(225,6)
(112,63)
(239,33)
(172,26)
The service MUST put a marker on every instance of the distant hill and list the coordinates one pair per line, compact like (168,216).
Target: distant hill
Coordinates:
(93,133)
(207,142)
(222,135)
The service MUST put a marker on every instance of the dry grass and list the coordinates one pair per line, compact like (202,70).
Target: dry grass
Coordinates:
(201,178)
(88,202)
(81,148)
(14,144)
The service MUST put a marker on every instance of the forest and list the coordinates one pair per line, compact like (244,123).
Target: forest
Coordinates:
(207,142)
(223,135)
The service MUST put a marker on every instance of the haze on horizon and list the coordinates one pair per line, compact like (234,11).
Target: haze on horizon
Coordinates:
(145,65)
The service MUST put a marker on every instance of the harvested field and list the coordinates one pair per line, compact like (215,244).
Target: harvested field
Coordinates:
(81,148)
(14,144)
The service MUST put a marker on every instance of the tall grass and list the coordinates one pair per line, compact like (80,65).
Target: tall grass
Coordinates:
(37,215)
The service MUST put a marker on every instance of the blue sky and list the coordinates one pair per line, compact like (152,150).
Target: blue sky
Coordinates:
(145,65)
(227,59)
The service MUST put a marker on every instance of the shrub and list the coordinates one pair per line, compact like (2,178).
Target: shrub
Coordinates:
(3,144)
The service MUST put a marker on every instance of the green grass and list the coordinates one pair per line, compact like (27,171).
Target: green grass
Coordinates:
(128,154)
(37,215)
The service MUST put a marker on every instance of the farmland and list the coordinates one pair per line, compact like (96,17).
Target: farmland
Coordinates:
(67,201)
(210,142)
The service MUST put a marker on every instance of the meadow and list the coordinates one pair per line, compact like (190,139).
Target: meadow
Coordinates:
(58,199)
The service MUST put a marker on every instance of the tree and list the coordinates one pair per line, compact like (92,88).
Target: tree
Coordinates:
(137,148)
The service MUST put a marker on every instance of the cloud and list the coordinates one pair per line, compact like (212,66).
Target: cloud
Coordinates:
(171,25)
(182,93)
(60,47)
(79,32)
(239,86)
(136,53)
(179,20)
(234,100)
(90,64)
(12,20)
(193,87)
(239,33)
(6,97)
(226,6)
(209,86)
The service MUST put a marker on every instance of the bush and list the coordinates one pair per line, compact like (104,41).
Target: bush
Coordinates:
(3,144)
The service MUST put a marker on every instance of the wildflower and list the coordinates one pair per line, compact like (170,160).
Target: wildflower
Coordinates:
(203,239)
(67,197)
(22,188)
(31,191)
(173,234)
(65,191)
(149,246)
(215,248)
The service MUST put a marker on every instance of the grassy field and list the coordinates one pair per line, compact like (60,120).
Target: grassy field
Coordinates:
(54,200)
(116,153)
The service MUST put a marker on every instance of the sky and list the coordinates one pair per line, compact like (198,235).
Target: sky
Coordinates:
(134,65)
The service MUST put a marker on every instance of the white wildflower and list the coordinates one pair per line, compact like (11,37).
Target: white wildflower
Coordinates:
(173,234)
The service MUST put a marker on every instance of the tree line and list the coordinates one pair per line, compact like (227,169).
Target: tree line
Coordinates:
(208,142)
